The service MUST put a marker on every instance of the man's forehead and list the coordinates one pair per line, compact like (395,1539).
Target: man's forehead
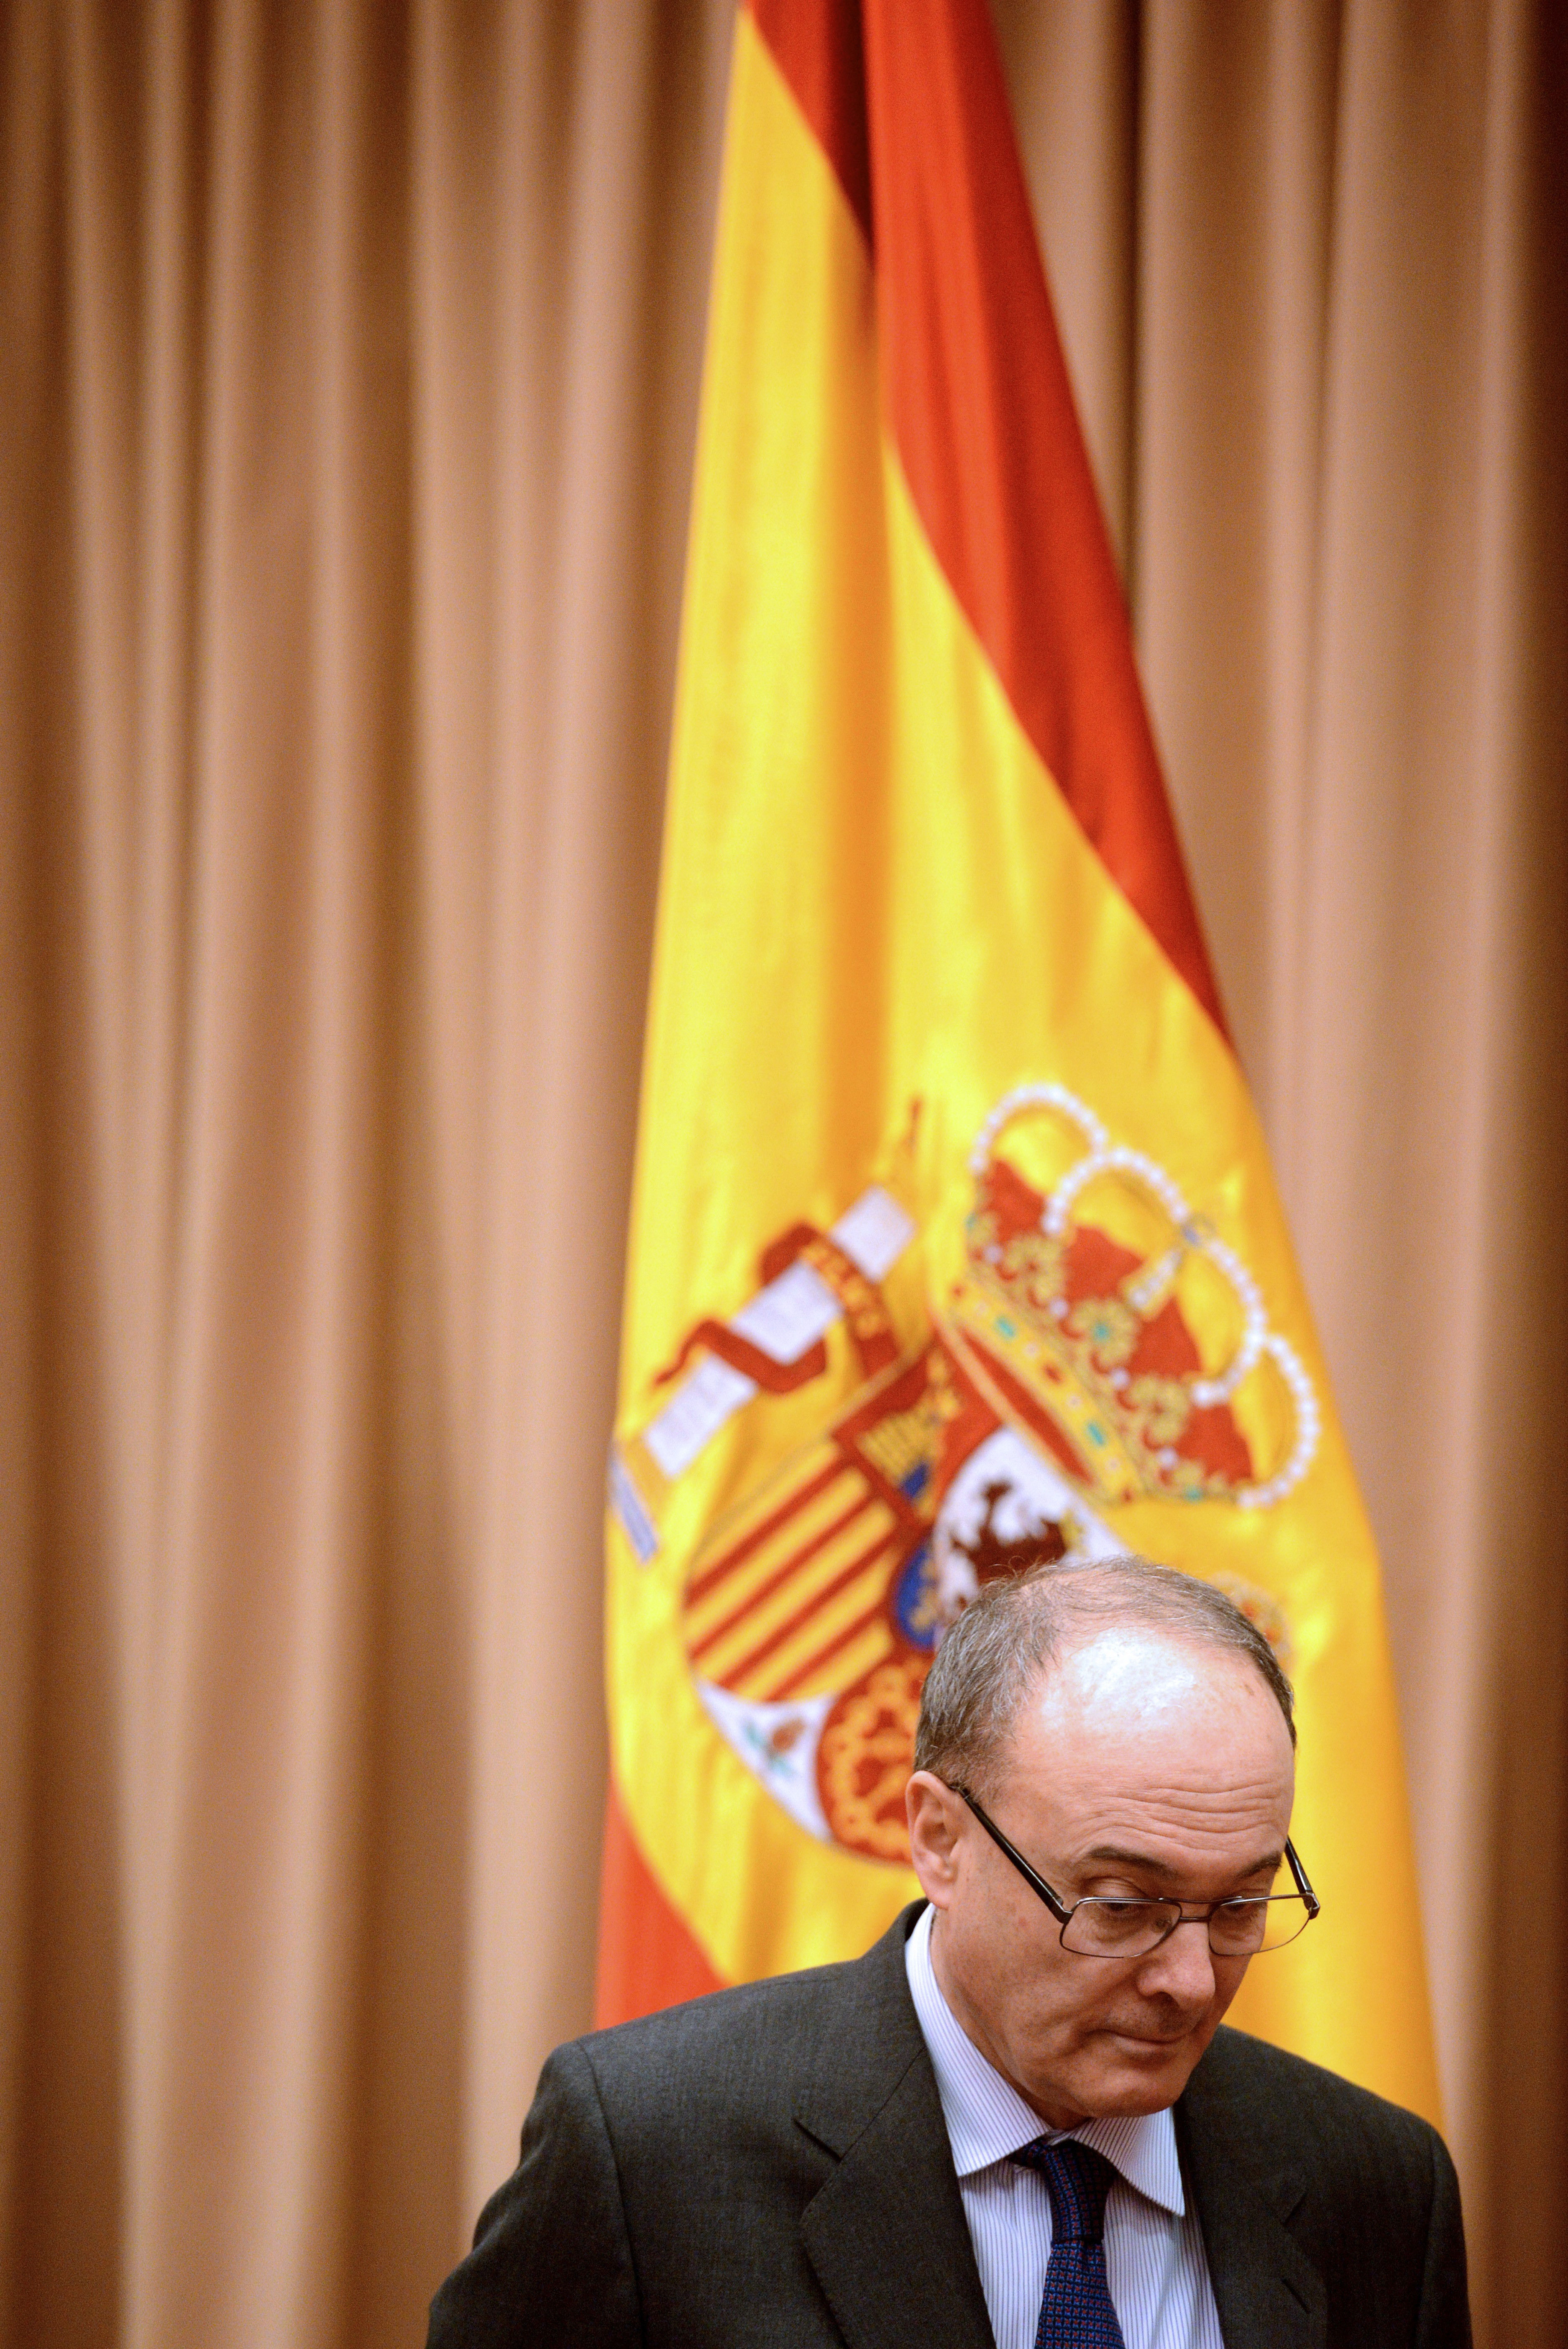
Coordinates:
(1128,1672)
(1128,1711)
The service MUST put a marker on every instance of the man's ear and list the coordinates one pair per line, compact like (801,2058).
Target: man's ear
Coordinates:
(936,1819)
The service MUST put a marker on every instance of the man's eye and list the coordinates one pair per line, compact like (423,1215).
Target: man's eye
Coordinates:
(1122,1909)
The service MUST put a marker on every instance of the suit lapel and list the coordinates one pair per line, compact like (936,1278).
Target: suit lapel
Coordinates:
(886,2233)
(1268,2293)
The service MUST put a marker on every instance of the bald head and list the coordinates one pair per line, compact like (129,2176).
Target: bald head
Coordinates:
(1017,1634)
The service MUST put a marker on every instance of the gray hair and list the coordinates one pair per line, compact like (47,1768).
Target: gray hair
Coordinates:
(1002,1644)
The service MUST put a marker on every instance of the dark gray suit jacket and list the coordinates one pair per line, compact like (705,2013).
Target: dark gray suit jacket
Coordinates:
(769,2168)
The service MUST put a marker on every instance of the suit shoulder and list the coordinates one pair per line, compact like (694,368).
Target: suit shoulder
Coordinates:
(1268,2092)
(779,2001)
(753,2037)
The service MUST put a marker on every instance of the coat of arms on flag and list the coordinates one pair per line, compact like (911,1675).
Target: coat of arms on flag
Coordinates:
(1101,1344)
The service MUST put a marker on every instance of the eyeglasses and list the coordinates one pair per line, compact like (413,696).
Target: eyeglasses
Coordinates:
(1109,1928)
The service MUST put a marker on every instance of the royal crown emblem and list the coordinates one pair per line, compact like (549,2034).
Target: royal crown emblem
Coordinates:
(1101,1344)
(1130,1337)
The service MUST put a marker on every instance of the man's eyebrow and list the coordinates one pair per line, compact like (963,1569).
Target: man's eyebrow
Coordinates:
(1147,1865)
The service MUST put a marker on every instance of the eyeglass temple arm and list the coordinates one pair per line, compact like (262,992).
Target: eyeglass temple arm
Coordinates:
(1313,1903)
(1037,1883)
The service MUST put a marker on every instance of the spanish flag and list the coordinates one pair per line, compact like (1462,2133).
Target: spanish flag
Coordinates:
(954,1244)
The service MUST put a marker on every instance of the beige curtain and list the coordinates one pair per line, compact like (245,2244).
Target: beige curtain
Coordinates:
(348,362)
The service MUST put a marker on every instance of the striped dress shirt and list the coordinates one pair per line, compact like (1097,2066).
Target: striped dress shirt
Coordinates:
(1154,2260)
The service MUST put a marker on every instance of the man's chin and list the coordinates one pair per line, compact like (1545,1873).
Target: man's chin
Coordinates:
(1113,2074)
(1138,2075)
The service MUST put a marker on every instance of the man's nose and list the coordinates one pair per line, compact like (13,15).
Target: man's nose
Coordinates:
(1182,1967)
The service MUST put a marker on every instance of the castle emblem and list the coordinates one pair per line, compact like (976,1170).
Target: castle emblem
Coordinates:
(1101,1344)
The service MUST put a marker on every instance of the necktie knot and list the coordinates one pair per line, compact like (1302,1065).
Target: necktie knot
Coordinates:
(1078,2180)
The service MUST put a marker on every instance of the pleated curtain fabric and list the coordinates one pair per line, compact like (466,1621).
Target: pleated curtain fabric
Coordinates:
(348,363)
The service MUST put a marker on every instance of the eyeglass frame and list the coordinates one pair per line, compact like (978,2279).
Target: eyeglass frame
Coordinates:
(1064,1915)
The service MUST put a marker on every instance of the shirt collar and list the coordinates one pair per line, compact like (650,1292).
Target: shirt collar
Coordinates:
(986,2118)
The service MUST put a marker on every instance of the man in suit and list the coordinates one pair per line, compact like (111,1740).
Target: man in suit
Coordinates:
(1015,2120)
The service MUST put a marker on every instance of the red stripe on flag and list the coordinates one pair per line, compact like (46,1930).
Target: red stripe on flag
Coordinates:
(981,410)
(703,1583)
(841,1581)
(814,1664)
(647,1957)
(818,49)
(783,1574)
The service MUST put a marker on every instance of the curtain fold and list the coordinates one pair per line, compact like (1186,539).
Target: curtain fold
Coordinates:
(348,368)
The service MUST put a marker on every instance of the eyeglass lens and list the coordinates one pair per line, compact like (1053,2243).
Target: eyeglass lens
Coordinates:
(1238,1929)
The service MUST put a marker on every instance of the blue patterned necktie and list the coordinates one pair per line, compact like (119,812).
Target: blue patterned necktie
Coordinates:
(1077,2310)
